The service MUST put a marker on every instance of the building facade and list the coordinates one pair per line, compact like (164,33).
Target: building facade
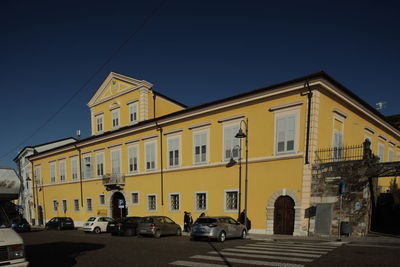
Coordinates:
(149,154)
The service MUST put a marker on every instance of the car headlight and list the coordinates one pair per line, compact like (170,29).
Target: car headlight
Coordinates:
(16,252)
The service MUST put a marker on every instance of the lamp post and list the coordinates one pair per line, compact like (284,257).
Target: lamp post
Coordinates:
(232,162)
(245,135)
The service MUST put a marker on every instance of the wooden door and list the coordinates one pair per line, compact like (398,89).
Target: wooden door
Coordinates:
(284,216)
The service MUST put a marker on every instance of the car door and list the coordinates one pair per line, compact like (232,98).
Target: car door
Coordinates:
(170,226)
(162,225)
(102,223)
(234,228)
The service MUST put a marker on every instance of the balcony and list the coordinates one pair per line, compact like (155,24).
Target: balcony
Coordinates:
(114,181)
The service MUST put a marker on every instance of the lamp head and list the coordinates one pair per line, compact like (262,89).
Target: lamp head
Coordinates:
(240,134)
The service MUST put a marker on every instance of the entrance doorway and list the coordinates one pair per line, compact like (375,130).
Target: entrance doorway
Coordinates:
(116,201)
(284,216)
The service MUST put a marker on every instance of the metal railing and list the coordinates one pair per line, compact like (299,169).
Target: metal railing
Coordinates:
(113,179)
(336,154)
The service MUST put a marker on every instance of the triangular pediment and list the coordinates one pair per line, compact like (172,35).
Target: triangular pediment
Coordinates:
(115,85)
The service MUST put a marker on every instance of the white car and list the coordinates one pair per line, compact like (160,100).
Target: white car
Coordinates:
(97,224)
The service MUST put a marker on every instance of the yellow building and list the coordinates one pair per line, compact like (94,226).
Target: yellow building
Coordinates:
(153,155)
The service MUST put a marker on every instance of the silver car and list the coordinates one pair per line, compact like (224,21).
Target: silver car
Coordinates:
(218,228)
(158,226)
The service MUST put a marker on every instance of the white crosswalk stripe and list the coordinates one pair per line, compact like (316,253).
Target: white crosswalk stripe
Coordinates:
(279,254)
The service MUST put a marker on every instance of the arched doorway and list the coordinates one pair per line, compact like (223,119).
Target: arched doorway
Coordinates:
(117,212)
(284,216)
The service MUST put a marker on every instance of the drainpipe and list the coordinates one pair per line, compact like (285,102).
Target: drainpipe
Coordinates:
(80,173)
(160,129)
(309,96)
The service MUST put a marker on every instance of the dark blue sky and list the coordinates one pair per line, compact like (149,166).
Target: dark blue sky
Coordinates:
(192,51)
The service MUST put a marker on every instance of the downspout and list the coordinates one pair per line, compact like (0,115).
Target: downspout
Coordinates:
(44,207)
(309,96)
(160,129)
(80,173)
(34,192)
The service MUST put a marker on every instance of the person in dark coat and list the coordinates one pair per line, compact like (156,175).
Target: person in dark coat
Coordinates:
(241,220)
(185,221)
(189,221)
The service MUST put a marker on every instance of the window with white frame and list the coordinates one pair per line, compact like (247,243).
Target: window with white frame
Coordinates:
(133,112)
(133,158)
(231,143)
(231,200)
(200,147)
(151,203)
(64,205)
(74,169)
(135,198)
(87,168)
(115,118)
(99,123)
(201,201)
(89,206)
(52,172)
(150,149)
(337,144)
(381,151)
(115,162)
(102,199)
(38,179)
(174,201)
(61,165)
(286,133)
(76,204)
(100,164)
(390,155)
(55,205)
(173,151)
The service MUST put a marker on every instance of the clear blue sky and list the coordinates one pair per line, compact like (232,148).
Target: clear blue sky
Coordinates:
(192,51)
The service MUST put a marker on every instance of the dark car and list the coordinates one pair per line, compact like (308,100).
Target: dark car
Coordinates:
(20,225)
(158,226)
(126,226)
(60,223)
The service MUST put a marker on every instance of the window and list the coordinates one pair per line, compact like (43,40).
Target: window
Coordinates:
(115,118)
(231,200)
(135,198)
(115,162)
(133,112)
(173,151)
(38,179)
(200,147)
(100,164)
(337,144)
(150,156)
(151,203)
(76,204)
(87,171)
(390,155)
(64,205)
(74,169)
(201,201)
(285,135)
(231,143)
(89,204)
(99,123)
(133,158)
(381,151)
(174,201)
(102,199)
(61,165)
(55,205)
(52,172)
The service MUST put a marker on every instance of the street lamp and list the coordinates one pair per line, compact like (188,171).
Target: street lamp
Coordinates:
(245,135)
(232,162)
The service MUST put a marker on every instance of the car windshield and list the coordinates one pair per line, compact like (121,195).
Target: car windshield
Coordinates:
(91,219)
(206,220)
(4,221)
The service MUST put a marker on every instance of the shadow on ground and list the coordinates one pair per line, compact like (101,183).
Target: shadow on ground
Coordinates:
(57,253)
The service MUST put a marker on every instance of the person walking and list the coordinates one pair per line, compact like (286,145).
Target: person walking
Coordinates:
(185,221)
(190,221)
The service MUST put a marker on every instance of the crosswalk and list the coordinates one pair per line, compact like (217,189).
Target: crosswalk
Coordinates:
(266,253)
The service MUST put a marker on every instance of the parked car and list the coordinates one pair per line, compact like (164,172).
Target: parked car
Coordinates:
(158,226)
(97,224)
(20,225)
(124,226)
(218,228)
(60,223)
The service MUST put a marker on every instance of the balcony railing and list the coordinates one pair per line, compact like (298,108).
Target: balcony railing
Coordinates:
(343,153)
(114,179)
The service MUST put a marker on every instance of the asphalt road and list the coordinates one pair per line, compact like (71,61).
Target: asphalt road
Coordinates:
(75,248)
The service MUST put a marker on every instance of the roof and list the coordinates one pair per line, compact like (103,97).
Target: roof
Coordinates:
(313,76)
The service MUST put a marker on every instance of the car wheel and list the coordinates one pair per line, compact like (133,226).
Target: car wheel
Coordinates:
(97,230)
(129,232)
(179,232)
(222,236)
(244,234)
(157,234)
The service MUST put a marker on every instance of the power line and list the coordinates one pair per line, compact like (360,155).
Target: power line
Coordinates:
(100,68)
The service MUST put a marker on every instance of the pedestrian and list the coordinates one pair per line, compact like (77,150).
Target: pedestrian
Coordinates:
(241,219)
(190,221)
(185,221)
